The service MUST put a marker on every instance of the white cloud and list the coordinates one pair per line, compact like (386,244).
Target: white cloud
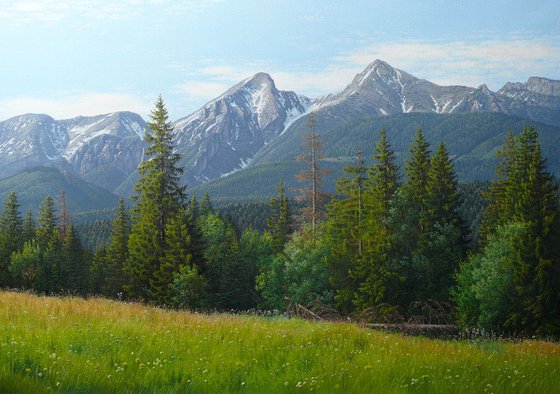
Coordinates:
(80,12)
(72,105)
(201,90)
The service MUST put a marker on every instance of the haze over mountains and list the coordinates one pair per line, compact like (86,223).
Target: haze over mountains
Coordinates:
(253,123)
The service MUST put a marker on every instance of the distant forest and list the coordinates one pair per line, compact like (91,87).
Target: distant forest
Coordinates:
(394,243)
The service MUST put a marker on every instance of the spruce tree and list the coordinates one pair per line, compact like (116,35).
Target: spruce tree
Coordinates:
(193,215)
(279,223)
(345,231)
(442,191)
(116,254)
(446,239)
(159,198)
(74,267)
(11,226)
(372,270)
(383,176)
(28,231)
(206,207)
(49,265)
(177,255)
(536,206)
(64,221)
(500,195)
(46,222)
(417,169)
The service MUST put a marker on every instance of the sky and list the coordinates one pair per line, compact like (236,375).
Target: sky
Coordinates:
(88,57)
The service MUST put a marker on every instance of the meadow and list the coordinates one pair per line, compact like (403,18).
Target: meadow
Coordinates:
(73,345)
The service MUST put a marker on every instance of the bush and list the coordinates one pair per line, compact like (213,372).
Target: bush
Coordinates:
(485,294)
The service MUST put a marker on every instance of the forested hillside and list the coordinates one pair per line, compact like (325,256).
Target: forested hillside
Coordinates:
(34,184)
(472,141)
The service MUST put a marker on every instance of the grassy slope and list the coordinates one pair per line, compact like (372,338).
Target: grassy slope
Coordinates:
(92,346)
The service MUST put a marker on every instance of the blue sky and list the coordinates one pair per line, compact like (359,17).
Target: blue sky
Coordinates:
(85,57)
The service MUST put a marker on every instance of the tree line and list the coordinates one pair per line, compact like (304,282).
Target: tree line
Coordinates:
(390,240)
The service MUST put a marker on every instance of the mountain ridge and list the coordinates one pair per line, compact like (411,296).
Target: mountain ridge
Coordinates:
(245,125)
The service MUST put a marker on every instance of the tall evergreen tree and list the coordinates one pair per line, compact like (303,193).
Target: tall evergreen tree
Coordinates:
(442,191)
(177,255)
(447,235)
(28,230)
(280,221)
(500,193)
(536,205)
(383,176)
(373,271)
(417,169)
(46,222)
(197,246)
(48,265)
(206,207)
(75,267)
(64,221)
(159,198)
(116,254)
(346,233)
(11,226)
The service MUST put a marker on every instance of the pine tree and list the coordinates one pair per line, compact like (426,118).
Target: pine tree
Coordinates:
(49,264)
(417,169)
(372,269)
(11,227)
(177,255)
(311,194)
(346,232)
(116,254)
(159,197)
(28,231)
(442,191)
(500,193)
(206,207)
(97,272)
(446,240)
(536,206)
(46,222)
(279,223)
(74,268)
(197,246)
(64,221)
(383,176)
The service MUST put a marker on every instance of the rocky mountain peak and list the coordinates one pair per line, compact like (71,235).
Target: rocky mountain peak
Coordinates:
(378,72)
(224,135)
(484,88)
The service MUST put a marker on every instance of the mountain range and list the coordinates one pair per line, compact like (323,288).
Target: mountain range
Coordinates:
(255,124)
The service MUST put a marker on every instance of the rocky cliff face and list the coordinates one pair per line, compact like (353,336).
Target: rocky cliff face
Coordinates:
(224,135)
(537,99)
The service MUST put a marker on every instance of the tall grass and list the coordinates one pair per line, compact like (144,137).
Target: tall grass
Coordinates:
(71,345)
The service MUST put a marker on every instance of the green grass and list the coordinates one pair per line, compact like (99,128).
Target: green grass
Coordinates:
(71,345)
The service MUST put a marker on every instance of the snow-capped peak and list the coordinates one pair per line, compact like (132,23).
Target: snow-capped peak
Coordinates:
(237,124)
